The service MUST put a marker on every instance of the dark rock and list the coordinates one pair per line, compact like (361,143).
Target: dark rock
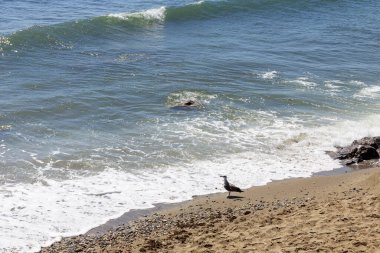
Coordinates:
(208,245)
(357,244)
(188,105)
(346,152)
(232,218)
(366,152)
(350,161)
(367,148)
(370,141)
(374,215)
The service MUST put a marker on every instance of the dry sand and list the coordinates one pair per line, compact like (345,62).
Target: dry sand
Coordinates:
(338,213)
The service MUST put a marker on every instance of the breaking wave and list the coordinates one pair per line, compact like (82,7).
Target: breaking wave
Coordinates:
(65,35)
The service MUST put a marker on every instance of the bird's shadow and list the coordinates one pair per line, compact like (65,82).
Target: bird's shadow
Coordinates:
(235,197)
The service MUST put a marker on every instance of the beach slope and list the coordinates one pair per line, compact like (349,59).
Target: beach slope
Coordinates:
(339,213)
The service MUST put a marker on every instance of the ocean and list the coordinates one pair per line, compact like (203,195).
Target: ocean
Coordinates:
(87,89)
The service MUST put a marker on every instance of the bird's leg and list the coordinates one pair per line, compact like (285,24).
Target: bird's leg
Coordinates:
(229,194)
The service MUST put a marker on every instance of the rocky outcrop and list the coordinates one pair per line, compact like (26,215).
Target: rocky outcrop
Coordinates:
(188,105)
(367,148)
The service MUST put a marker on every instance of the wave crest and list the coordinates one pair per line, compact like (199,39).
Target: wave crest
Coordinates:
(65,35)
(157,14)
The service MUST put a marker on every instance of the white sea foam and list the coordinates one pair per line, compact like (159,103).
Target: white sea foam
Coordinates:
(40,213)
(199,2)
(269,75)
(357,83)
(334,85)
(304,82)
(369,92)
(151,14)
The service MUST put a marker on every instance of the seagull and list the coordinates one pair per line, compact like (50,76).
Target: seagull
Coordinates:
(230,187)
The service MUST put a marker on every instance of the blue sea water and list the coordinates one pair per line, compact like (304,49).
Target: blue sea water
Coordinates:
(87,90)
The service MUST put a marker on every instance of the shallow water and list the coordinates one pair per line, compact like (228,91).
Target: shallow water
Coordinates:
(86,91)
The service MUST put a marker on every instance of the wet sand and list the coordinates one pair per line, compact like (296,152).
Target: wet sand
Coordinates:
(335,213)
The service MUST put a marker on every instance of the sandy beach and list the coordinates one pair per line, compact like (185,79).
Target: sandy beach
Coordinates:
(118,118)
(336,213)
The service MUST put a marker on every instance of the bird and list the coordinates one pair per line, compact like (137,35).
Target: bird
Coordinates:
(230,187)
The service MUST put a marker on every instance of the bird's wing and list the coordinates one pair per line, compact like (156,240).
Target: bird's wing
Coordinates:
(235,188)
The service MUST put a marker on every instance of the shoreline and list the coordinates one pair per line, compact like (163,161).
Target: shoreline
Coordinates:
(135,214)
(139,227)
